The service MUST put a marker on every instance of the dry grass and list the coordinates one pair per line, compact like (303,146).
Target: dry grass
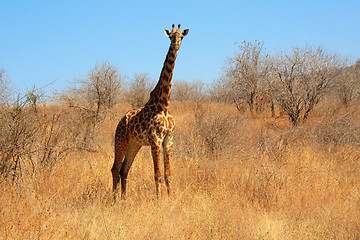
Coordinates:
(253,179)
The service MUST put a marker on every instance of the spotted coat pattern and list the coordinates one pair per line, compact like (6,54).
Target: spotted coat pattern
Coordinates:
(151,125)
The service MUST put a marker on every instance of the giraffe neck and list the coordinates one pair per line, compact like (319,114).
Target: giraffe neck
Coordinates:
(160,96)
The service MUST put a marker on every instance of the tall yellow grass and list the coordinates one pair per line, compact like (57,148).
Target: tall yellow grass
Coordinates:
(234,177)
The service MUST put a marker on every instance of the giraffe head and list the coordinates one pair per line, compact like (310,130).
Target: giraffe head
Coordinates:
(176,36)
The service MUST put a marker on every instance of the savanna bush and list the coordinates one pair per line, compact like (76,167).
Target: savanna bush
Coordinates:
(210,131)
(35,138)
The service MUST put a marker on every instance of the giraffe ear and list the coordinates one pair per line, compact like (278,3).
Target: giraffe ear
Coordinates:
(185,32)
(167,33)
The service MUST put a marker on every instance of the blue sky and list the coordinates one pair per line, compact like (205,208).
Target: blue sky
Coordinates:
(44,41)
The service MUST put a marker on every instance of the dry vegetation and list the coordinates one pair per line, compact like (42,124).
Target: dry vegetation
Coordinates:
(272,151)
(234,177)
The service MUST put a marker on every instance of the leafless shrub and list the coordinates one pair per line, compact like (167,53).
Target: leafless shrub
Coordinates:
(5,90)
(215,130)
(185,91)
(244,75)
(139,88)
(28,138)
(20,124)
(348,85)
(34,138)
(220,92)
(89,99)
(302,77)
(101,87)
(16,136)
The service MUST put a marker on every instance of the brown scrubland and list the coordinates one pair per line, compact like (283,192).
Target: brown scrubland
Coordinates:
(235,175)
(270,151)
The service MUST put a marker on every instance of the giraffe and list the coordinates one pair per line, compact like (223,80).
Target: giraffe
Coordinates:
(151,125)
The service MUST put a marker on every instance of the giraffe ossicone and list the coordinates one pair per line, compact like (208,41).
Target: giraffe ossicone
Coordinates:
(151,125)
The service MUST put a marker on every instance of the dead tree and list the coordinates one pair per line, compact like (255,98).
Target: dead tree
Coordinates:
(301,78)
(245,73)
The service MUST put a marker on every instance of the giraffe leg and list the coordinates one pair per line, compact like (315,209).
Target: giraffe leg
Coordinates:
(167,146)
(155,151)
(121,146)
(131,152)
